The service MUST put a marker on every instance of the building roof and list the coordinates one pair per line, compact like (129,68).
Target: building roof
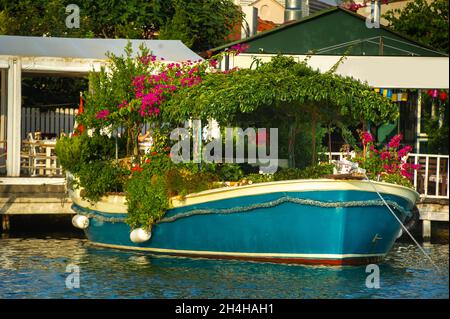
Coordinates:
(171,50)
(334,31)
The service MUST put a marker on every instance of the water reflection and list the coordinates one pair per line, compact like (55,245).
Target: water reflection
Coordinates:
(36,268)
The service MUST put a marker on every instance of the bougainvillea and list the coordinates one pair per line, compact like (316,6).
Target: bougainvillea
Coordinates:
(389,163)
(132,90)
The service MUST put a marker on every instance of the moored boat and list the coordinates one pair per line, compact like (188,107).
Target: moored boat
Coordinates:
(321,221)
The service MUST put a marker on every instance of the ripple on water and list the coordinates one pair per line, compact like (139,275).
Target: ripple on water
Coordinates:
(36,268)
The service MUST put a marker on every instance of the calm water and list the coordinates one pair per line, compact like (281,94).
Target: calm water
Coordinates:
(36,268)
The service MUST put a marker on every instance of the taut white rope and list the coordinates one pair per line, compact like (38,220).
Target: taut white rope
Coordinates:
(401,224)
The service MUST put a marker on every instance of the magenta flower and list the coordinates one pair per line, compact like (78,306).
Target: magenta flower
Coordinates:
(395,141)
(367,138)
(404,151)
(102,114)
(405,173)
(123,104)
(385,155)
(240,48)
(213,63)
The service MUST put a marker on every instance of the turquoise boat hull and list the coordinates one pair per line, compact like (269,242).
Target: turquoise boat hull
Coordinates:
(331,225)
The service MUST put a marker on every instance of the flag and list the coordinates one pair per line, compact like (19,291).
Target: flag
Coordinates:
(79,128)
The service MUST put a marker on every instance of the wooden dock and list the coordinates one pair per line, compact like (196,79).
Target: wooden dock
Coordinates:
(32,196)
(432,210)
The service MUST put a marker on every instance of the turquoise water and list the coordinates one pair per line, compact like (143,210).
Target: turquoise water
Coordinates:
(36,268)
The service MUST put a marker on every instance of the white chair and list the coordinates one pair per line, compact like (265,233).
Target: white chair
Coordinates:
(37,157)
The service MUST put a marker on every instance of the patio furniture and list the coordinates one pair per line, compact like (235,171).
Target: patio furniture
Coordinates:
(48,146)
(37,158)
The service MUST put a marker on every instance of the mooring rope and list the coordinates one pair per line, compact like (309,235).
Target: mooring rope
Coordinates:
(244,209)
(401,224)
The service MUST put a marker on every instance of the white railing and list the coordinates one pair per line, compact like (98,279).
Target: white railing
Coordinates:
(430,181)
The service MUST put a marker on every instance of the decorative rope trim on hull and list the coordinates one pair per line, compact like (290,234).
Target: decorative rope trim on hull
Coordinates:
(249,208)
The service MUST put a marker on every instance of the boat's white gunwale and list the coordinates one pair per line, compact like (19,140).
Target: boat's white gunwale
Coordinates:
(116,203)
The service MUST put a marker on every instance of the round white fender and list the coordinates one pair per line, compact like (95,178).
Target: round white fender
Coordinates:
(400,233)
(80,221)
(140,235)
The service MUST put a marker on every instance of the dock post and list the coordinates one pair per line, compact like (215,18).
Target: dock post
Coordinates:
(426,229)
(5,222)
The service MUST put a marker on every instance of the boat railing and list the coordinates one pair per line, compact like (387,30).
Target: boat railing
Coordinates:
(430,181)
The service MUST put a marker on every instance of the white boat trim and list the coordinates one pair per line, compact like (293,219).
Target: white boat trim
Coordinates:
(116,204)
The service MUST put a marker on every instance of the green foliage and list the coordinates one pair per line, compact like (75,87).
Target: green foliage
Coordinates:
(99,178)
(147,198)
(259,178)
(69,151)
(287,86)
(89,160)
(436,125)
(44,91)
(103,19)
(155,181)
(36,17)
(201,24)
(74,152)
(97,148)
(397,179)
(310,172)
(281,91)
(424,21)
(438,136)
(230,172)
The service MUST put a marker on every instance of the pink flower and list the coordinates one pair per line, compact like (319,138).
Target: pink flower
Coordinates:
(406,174)
(385,155)
(240,48)
(213,63)
(395,141)
(387,168)
(366,138)
(404,151)
(123,104)
(102,114)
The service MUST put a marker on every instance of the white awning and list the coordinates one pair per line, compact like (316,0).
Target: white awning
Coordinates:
(171,50)
(378,71)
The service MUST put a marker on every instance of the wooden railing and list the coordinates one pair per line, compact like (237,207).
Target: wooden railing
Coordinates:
(431,180)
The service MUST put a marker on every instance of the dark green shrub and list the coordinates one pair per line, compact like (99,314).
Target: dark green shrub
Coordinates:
(99,178)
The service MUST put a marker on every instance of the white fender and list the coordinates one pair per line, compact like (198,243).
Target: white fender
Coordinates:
(400,233)
(80,221)
(140,235)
